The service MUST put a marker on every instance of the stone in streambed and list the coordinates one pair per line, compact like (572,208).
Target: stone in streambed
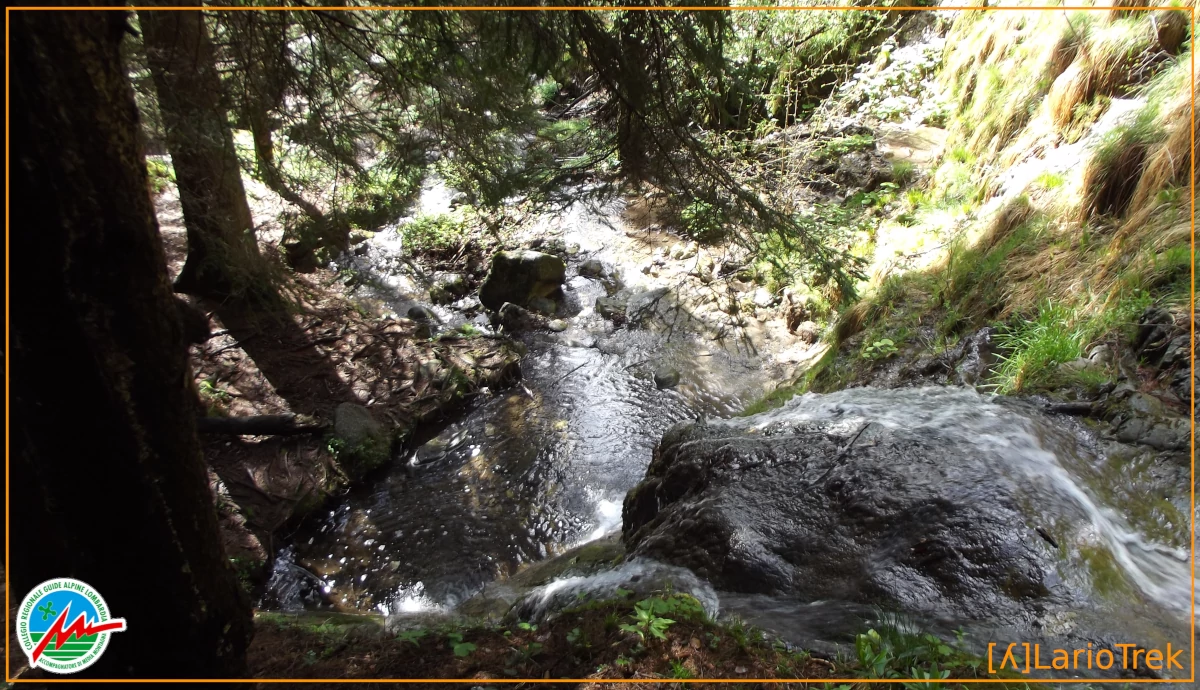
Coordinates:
(592,268)
(520,275)
(666,377)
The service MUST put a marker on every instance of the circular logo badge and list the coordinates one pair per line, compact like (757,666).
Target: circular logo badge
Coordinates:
(64,625)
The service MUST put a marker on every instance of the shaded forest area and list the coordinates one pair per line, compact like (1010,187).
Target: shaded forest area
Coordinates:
(123,471)
(341,89)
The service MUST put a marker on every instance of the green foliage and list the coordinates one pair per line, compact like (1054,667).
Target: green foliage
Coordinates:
(880,349)
(890,653)
(839,224)
(209,391)
(359,458)
(840,146)
(678,670)
(960,154)
(702,221)
(577,637)
(434,234)
(647,623)
(785,62)
(1035,347)
(160,172)
(903,172)
(457,645)
(413,637)
(649,615)
(1049,180)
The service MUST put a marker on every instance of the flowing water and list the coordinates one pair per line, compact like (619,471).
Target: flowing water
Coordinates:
(530,471)
(1138,588)
(533,470)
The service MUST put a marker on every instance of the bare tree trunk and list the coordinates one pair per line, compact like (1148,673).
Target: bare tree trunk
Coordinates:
(223,259)
(122,501)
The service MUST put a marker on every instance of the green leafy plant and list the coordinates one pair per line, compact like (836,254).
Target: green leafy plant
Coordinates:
(413,637)
(526,652)
(678,670)
(929,675)
(459,647)
(578,637)
(210,391)
(703,221)
(647,622)
(434,234)
(873,655)
(160,173)
(880,349)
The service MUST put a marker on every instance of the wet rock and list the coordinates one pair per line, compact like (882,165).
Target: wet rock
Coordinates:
(644,304)
(666,377)
(1155,327)
(807,332)
(864,170)
(516,318)
(557,325)
(543,305)
(975,356)
(521,275)
(1143,419)
(419,313)
(803,505)
(355,425)
(639,577)
(611,307)
(1176,352)
(439,295)
(592,268)
(453,283)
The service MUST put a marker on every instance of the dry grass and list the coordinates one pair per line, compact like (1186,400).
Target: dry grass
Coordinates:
(1010,216)
(1110,177)
(852,320)
(1072,87)
(1113,241)
(1167,162)
(1001,69)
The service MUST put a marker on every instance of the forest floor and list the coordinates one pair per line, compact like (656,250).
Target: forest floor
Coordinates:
(585,643)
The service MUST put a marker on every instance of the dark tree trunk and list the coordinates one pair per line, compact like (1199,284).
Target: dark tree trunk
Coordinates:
(223,259)
(121,501)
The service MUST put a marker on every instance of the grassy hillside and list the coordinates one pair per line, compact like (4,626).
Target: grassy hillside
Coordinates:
(1060,208)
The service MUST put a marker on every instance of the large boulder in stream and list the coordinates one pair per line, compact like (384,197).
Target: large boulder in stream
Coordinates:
(937,501)
(521,275)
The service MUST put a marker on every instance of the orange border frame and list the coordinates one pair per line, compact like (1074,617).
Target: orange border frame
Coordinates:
(1192,10)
